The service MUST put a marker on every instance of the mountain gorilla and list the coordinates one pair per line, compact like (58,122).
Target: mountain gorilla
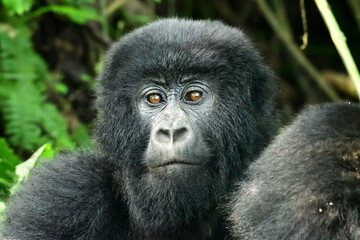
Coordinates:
(306,184)
(184,106)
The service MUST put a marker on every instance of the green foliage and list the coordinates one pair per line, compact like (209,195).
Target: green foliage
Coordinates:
(23,169)
(8,162)
(20,116)
(78,3)
(80,135)
(19,63)
(139,19)
(61,88)
(77,15)
(18,172)
(28,119)
(17,6)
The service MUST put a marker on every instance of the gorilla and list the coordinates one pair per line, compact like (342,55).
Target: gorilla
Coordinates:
(184,106)
(306,184)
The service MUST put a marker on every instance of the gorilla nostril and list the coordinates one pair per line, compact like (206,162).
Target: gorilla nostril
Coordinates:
(163,135)
(179,134)
(165,132)
(169,135)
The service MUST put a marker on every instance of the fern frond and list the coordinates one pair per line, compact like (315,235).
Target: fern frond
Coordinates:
(77,15)
(21,114)
(55,126)
(29,121)
(19,62)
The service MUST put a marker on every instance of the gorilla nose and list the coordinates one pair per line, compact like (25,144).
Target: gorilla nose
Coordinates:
(172,135)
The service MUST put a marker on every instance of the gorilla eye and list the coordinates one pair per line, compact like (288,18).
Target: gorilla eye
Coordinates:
(154,98)
(193,96)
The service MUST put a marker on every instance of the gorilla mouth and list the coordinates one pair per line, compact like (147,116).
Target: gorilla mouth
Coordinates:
(174,162)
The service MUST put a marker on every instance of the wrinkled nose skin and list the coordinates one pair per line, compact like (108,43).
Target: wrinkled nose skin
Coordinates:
(173,129)
(172,134)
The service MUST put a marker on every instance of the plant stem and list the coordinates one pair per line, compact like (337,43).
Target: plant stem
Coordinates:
(295,51)
(339,41)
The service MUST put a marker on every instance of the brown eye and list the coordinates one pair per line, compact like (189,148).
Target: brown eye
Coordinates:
(154,98)
(193,96)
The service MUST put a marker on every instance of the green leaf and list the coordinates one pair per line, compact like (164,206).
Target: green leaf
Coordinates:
(85,77)
(48,152)
(8,162)
(7,155)
(23,169)
(77,15)
(61,88)
(17,6)
(78,2)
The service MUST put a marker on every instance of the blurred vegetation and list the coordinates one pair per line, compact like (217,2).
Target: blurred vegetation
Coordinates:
(51,51)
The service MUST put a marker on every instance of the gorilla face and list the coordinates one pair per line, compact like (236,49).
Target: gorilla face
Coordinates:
(175,145)
(179,166)
(184,106)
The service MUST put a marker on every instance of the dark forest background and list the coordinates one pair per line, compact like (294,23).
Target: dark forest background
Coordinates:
(52,50)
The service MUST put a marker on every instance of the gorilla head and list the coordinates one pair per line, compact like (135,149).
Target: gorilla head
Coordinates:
(184,106)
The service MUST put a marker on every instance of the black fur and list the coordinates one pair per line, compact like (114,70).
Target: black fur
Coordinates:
(306,184)
(112,194)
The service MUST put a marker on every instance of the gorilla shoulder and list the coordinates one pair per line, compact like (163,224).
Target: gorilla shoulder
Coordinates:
(63,199)
(306,184)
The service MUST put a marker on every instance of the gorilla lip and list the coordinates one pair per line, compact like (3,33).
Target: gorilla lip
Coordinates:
(174,162)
